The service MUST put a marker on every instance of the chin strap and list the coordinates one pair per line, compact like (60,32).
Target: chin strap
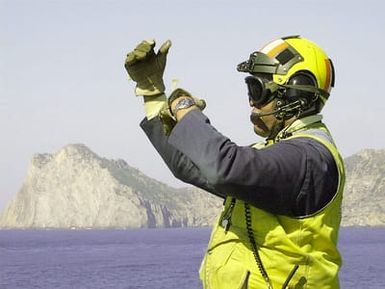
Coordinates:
(275,130)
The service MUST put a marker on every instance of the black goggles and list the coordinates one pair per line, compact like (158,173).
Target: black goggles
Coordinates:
(261,91)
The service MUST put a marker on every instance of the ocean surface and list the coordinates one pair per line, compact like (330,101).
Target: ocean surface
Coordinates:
(149,258)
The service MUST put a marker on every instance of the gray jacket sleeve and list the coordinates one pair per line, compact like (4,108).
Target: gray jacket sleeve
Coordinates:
(294,177)
(178,163)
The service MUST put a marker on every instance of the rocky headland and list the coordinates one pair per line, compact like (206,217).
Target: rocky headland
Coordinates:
(75,188)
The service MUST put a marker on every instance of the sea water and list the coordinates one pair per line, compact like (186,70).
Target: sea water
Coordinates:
(149,258)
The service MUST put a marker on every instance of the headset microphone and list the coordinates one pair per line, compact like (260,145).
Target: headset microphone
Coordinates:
(282,110)
(255,116)
(259,114)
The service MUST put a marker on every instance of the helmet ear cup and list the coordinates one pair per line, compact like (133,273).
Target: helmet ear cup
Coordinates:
(301,78)
(297,101)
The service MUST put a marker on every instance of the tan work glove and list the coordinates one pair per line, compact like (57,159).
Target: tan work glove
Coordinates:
(167,118)
(146,68)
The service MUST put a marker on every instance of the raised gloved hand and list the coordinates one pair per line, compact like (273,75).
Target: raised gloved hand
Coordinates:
(146,68)
(167,118)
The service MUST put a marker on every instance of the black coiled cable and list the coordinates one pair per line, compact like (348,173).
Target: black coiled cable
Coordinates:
(255,247)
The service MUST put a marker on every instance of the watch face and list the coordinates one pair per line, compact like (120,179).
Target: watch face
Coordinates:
(183,103)
(186,102)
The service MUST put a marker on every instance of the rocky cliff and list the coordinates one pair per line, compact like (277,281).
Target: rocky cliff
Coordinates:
(364,195)
(75,188)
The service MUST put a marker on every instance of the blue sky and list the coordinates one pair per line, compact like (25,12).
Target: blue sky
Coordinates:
(62,78)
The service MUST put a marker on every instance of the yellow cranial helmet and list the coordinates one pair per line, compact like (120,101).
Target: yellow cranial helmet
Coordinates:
(294,63)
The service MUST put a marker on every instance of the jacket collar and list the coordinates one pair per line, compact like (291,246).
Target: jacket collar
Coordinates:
(298,125)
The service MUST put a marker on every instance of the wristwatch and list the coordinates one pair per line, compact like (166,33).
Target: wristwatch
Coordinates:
(183,103)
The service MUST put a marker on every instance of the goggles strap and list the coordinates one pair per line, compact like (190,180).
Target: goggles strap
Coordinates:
(307,88)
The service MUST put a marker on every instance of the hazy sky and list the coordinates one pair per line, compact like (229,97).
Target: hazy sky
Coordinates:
(62,78)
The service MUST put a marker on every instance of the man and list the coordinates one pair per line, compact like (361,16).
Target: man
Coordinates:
(282,209)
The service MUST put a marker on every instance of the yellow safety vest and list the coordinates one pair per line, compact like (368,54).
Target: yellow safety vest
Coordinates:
(304,247)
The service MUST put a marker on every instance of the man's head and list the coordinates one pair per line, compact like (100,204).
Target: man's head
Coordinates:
(290,77)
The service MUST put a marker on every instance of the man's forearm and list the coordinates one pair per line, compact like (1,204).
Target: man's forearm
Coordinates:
(179,164)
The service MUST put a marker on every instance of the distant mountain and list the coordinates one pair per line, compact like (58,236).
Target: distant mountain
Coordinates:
(75,188)
(364,196)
